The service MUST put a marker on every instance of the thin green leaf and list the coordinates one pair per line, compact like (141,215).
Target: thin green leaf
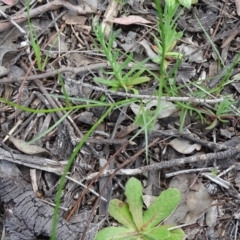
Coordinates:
(126,62)
(133,193)
(67,168)
(120,212)
(79,99)
(44,133)
(138,80)
(116,233)
(212,43)
(64,90)
(137,74)
(111,83)
(137,67)
(161,208)
(134,90)
(123,102)
(213,124)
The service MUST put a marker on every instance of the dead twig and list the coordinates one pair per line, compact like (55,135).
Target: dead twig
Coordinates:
(33,162)
(91,183)
(51,6)
(231,152)
(74,70)
(210,145)
(129,95)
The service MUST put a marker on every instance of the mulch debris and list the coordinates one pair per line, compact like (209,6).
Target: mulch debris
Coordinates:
(201,161)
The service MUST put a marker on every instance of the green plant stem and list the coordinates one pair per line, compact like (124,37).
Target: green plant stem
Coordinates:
(54,109)
(67,168)
(162,70)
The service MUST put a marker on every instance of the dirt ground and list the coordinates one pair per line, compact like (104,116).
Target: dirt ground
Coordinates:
(66,86)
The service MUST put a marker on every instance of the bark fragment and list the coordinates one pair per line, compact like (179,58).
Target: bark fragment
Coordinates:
(26,216)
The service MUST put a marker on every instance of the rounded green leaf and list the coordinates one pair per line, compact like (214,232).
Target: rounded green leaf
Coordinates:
(120,212)
(158,233)
(161,208)
(116,233)
(133,193)
(185,3)
(176,234)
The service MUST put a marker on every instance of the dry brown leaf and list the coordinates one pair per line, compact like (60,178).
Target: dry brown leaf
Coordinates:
(237,7)
(230,38)
(194,203)
(184,146)
(148,200)
(10,2)
(151,54)
(212,214)
(27,148)
(72,20)
(123,131)
(131,19)
(167,108)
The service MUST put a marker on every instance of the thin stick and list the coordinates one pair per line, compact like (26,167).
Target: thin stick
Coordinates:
(129,95)
(51,6)
(55,72)
(231,152)
(91,183)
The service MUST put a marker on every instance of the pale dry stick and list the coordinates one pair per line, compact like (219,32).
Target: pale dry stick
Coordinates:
(237,111)
(40,163)
(77,36)
(229,39)
(52,204)
(87,52)
(12,130)
(46,103)
(236,226)
(231,152)
(129,95)
(23,9)
(195,170)
(107,141)
(51,23)
(30,117)
(226,171)
(219,181)
(110,13)
(74,70)
(55,23)
(51,6)
(33,178)
(92,181)
(21,30)
(210,145)
(90,190)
